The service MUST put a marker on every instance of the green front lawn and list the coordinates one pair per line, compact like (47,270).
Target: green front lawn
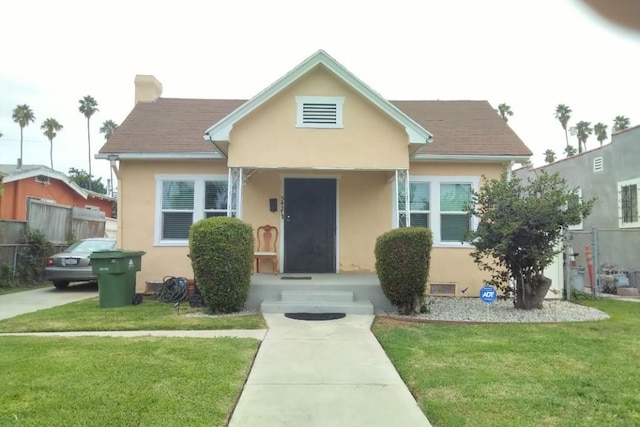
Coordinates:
(150,315)
(566,374)
(121,381)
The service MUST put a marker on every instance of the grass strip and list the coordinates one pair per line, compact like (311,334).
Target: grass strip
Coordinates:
(87,315)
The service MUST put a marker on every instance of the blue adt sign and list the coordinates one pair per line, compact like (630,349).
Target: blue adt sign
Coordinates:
(488,294)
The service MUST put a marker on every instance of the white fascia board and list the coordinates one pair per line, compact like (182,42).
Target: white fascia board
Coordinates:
(221,130)
(159,156)
(467,158)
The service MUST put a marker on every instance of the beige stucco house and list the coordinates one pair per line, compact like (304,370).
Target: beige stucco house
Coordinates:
(318,154)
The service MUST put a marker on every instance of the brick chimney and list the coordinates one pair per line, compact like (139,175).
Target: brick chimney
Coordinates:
(148,88)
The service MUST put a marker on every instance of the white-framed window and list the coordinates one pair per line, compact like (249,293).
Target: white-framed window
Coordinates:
(319,111)
(578,226)
(598,164)
(438,202)
(628,203)
(182,200)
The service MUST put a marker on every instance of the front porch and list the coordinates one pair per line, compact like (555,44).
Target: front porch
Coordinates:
(354,293)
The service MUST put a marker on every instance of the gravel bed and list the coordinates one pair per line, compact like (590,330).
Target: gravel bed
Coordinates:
(474,310)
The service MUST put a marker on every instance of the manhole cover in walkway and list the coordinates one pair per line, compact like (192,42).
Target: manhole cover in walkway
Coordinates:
(315,316)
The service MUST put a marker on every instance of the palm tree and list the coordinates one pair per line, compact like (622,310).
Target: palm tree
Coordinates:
(505,111)
(563,114)
(51,128)
(23,115)
(570,150)
(88,106)
(600,129)
(620,123)
(549,156)
(108,127)
(584,130)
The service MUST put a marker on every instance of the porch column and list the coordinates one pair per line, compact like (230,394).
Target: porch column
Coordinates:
(234,192)
(402,196)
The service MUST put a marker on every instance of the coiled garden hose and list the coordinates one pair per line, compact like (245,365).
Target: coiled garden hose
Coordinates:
(174,289)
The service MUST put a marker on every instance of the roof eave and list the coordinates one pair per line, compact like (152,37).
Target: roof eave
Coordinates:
(469,158)
(159,156)
(221,130)
(31,173)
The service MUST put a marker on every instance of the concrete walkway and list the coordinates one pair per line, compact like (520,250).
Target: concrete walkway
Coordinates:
(324,373)
(12,305)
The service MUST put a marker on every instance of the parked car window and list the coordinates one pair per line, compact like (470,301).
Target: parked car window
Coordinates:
(91,246)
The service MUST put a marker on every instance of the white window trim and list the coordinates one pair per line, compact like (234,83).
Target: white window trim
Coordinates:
(198,203)
(337,100)
(621,184)
(581,225)
(434,205)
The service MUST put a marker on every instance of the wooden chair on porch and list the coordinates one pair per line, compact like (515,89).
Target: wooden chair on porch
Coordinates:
(267,242)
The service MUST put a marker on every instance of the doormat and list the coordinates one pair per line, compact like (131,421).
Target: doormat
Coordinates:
(315,316)
(295,278)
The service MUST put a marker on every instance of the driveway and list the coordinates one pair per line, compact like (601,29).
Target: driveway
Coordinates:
(29,301)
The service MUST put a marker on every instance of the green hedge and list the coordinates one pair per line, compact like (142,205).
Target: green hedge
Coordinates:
(402,265)
(221,251)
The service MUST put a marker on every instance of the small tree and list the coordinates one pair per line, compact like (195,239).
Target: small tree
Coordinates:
(520,228)
(81,177)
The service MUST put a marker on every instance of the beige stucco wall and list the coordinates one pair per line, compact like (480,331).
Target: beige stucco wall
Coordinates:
(268,136)
(136,215)
(455,265)
(364,210)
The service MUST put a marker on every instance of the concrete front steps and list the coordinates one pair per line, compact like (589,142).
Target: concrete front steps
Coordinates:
(316,301)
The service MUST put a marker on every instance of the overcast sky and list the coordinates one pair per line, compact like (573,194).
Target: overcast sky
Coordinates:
(532,55)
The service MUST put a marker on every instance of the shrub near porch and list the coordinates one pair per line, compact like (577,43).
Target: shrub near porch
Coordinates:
(402,263)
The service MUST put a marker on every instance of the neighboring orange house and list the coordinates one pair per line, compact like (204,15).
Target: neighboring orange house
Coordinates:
(43,183)
(320,155)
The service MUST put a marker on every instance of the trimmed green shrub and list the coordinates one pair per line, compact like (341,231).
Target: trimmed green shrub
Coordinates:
(402,265)
(221,251)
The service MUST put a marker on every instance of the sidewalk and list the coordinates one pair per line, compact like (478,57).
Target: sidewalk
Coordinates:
(324,373)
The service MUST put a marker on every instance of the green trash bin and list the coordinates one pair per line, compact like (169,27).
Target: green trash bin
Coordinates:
(116,271)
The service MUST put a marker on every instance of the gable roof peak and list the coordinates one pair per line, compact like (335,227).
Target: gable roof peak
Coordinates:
(221,130)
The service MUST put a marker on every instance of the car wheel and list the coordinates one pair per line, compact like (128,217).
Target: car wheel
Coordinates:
(61,284)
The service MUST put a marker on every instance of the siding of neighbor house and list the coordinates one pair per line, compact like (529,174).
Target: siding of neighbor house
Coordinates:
(13,202)
(620,163)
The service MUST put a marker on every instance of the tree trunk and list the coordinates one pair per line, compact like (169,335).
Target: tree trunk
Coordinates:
(530,295)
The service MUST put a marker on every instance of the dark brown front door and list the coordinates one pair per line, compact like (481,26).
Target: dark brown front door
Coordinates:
(309,225)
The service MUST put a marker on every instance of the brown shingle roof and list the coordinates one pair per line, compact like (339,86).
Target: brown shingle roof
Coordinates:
(464,127)
(171,125)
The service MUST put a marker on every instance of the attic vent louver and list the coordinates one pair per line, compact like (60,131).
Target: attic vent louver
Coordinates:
(319,111)
(319,114)
(598,164)
(42,179)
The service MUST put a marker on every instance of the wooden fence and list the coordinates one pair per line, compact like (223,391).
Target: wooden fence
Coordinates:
(58,222)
